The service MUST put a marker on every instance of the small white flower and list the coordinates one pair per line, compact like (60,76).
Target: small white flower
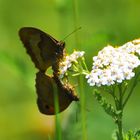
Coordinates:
(132,46)
(129,47)
(68,61)
(137,48)
(114,65)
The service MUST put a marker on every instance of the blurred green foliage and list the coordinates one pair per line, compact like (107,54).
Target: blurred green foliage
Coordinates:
(102,22)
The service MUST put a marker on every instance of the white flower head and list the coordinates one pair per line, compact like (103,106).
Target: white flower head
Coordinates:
(132,46)
(114,65)
(68,61)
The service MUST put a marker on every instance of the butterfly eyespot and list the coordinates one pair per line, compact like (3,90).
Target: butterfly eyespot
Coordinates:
(47,106)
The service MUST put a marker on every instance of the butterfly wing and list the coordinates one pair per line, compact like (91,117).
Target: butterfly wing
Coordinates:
(66,94)
(45,90)
(42,48)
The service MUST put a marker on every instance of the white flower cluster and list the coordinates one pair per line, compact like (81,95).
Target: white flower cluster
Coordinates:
(113,65)
(132,46)
(69,59)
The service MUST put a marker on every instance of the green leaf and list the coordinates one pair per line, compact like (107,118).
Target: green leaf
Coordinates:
(132,135)
(108,108)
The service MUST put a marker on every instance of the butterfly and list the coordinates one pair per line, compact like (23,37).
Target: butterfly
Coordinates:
(43,49)
(45,52)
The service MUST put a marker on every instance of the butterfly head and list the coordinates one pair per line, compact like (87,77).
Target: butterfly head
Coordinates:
(60,49)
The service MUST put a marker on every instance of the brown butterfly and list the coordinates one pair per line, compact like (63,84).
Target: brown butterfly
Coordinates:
(45,51)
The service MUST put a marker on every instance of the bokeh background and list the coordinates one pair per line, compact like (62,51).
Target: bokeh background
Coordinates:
(103,22)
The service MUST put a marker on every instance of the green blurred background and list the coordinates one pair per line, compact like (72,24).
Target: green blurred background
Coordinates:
(111,21)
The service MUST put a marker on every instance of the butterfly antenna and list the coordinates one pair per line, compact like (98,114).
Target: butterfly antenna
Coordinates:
(72,33)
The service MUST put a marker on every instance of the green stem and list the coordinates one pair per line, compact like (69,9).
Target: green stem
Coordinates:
(132,89)
(122,104)
(118,104)
(124,90)
(83,111)
(85,66)
(57,116)
(114,97)
(82,95)
(120,134)
(119,119)
(49,137)
(75,18)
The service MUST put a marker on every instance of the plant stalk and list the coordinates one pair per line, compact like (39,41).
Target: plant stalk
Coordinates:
(57,116)
(120,115)
(83,111)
